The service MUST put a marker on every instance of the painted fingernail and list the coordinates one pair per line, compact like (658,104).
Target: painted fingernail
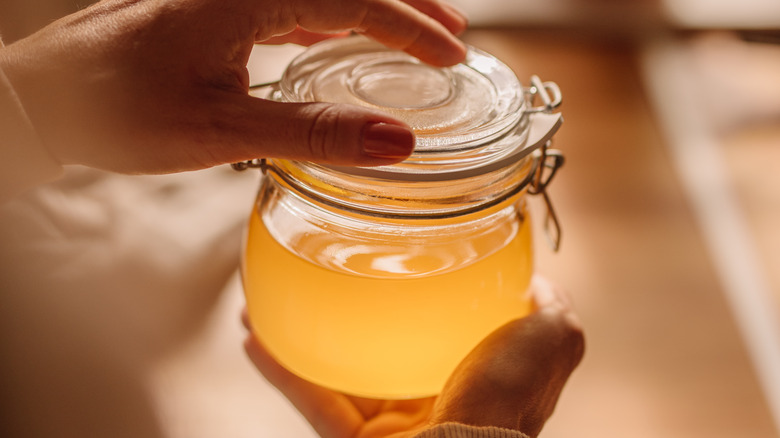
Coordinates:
(384,140)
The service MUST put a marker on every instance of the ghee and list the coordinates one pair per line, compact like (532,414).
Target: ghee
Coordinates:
(373,331)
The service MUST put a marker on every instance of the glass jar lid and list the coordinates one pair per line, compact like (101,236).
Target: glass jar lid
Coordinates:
(450,109)
(480,141)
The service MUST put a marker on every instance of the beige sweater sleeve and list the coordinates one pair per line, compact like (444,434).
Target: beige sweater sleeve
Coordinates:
(24,162)
(457,430)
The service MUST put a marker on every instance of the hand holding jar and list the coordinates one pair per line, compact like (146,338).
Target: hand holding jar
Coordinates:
(162,86)
(377,282)
(506,387)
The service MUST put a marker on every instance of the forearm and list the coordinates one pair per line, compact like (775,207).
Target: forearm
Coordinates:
(24,162)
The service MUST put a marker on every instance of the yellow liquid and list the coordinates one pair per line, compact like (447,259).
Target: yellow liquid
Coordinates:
(391,337)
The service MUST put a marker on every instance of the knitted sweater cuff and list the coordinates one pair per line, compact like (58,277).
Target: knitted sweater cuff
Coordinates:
(457,430)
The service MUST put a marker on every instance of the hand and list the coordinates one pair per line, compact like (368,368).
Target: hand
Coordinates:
(157,86)
(511,380)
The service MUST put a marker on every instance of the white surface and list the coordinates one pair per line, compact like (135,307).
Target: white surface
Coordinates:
(678,93)
(536,12)
(684,13)
(724,13)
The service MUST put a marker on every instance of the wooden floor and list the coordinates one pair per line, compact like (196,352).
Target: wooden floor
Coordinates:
(664,355)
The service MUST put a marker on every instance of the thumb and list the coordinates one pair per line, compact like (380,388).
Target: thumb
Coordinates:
(321,132)
(513,379)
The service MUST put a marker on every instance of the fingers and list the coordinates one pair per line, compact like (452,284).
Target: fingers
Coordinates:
(448,15)
(321,132)
(556,313)
(303,37)
(393,23)
(551,299)
(514,377)
(331,414)
(337,134)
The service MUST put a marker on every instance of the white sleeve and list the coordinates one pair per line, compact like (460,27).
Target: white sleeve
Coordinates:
(24,162)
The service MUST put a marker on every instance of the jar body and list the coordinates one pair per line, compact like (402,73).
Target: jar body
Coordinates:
(380,307)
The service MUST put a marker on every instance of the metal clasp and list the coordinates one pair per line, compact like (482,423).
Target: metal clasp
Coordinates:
(550,161)
(547,92)
(257,163)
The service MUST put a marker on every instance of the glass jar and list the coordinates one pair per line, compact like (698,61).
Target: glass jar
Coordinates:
(377,281)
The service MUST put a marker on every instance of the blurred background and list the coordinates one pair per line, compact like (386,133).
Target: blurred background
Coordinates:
(669,201)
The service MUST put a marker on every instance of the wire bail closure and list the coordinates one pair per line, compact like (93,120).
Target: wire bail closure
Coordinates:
(257,163)
(549,162)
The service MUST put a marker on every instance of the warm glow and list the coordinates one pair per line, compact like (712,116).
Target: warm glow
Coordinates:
(380,337)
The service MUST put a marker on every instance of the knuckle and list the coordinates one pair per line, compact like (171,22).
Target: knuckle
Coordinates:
(571,338)
(575,339)
(564,331)
(322,134)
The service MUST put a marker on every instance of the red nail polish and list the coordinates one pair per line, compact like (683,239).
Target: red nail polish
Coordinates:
(384,140)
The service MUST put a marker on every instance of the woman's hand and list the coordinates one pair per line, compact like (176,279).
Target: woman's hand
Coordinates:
(155,86)
(511,380)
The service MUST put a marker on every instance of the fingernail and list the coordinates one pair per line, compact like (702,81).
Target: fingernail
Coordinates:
(384,140)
